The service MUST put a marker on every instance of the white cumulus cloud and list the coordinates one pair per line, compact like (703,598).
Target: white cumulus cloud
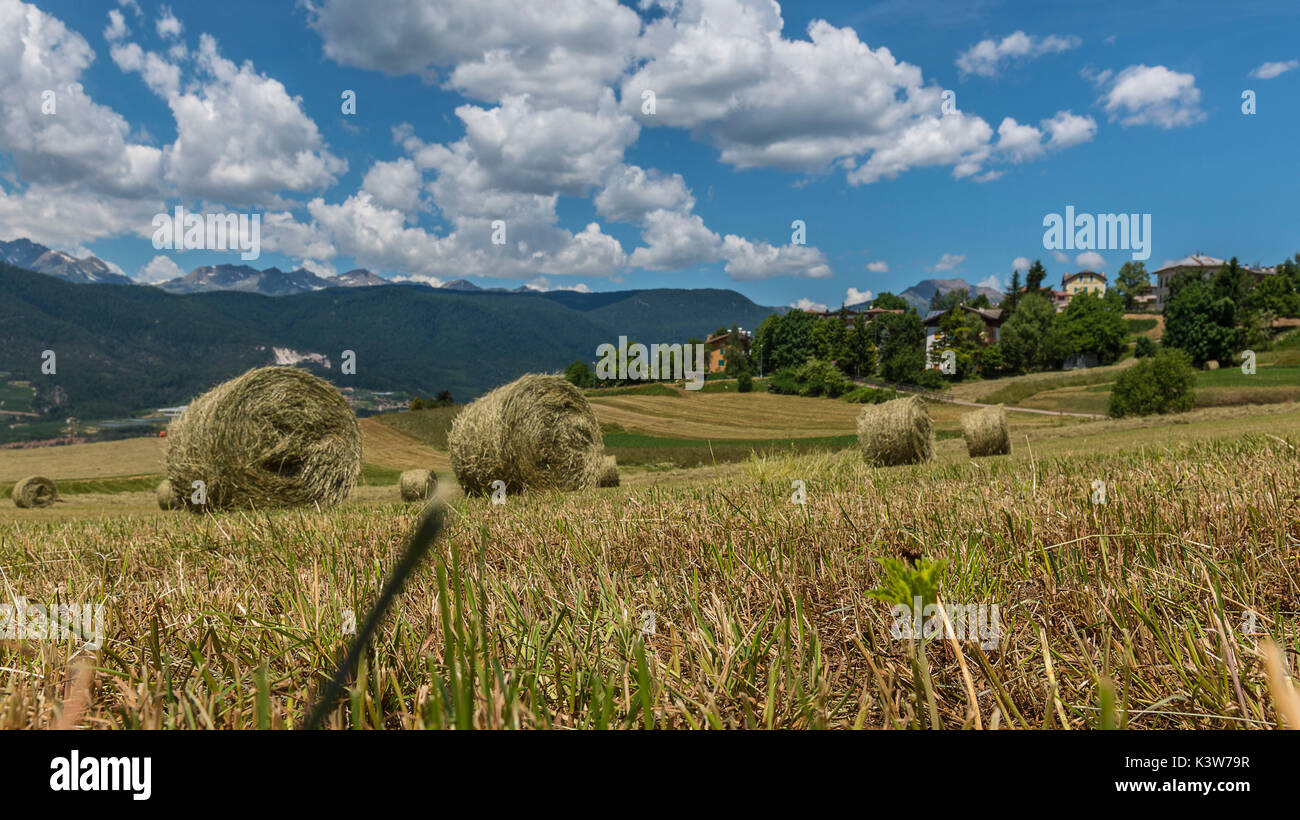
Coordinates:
(853,296)
(1268,71)
(804,303)
(558,52)
(1091,260)
(987,58)
(167,25)
(948,261)
(723,70)
(631,192)
(1151,95)
(159,269)
(750,261)
(395,185)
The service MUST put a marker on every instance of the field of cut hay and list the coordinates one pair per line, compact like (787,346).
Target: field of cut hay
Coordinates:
(387,446)
(729,416)
(134,456)
(1124,611)
(89,486)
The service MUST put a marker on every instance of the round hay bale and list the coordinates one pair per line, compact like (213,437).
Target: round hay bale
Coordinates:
(896,432)
(536,433)
(167,498)
(985,431)
(608,473)
(273,437)
(35,491)
(417,485)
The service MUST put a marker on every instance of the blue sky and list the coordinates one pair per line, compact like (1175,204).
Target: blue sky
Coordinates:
(830,113)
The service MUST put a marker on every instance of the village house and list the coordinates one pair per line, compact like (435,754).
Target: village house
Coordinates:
(1206,266)
(1146,300)
(993,319)
(715,348)
(1085,281)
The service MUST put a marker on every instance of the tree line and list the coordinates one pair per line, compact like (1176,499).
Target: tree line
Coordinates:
(1210,319)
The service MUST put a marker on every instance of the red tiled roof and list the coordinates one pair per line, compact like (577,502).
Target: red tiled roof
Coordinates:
(1196,260)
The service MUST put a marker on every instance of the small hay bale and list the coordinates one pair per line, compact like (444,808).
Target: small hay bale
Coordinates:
(167,498)
(536,433)
(35,491)
(273,437)
(896,432)
(985,431)
(608,473)
(417,485)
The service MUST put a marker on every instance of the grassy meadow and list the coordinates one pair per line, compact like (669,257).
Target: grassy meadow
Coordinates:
(1128,612)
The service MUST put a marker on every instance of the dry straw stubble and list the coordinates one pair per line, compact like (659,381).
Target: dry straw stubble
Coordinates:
(535,433)
(896,432)
(273,437)
(985,431)
(35,491)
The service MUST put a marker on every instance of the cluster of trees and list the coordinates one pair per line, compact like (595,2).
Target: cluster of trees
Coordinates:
(1208,320)
(1214,319)
(1033,336)
(737,363)
(443,399)
(798,347)
(787,342)
(1162,383)
(815,377)
(580,373)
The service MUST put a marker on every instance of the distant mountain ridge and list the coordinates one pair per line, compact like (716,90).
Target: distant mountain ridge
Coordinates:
(270,282)
(920,294)
(90,270)
(275,282)
(24,253)
(359,278)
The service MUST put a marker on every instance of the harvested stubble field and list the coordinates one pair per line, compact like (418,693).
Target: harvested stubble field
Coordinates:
(530,614)
(728,415)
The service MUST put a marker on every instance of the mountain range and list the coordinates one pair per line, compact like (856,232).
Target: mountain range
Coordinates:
(24,253)
(125,349)
(90,270)
(269,282)
(920,294)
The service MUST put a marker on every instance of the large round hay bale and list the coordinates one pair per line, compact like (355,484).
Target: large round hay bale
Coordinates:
(536,433)
(896,432)
(167,497)
(417,485)
(985,431)
(608,473)
(273,437)
(35,491)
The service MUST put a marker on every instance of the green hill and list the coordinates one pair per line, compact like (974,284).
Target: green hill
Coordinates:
(123,349)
